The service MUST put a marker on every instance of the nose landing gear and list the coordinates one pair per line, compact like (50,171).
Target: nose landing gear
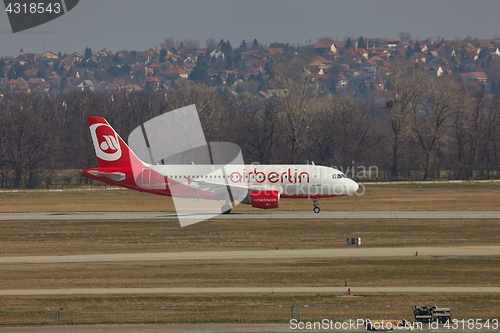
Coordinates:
(316,205)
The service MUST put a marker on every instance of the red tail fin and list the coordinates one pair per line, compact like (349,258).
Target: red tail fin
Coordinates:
(110,149)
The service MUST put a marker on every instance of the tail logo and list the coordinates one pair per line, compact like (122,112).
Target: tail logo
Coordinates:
(106,144)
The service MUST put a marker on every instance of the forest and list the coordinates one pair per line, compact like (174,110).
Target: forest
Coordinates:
(425,127)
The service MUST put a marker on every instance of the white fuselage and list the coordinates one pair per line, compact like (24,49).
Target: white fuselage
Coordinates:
(289,180)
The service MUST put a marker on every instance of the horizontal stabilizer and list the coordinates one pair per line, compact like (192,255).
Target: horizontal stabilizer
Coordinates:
(116,176)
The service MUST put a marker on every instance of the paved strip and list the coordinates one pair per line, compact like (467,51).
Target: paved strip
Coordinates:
(170,328)
(276,254)
(254,215)
(249,290)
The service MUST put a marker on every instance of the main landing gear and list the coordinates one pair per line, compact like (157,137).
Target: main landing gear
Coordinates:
(316,205)
(226,209)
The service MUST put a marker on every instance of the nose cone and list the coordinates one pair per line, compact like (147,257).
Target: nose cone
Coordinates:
(352,187)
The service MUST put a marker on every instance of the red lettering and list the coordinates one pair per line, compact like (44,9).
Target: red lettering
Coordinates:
(235,177)
(305,174)
(273,177)
(261,174)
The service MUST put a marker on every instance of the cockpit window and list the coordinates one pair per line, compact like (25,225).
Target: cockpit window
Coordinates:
(338,176)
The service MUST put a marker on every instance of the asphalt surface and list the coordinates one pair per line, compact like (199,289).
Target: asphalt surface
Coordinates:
(283,254)
(250,290)
(200,328)
(254,215)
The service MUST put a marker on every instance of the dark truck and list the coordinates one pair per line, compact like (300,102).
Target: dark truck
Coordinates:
(428,313)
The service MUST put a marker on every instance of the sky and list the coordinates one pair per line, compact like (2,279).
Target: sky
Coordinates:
(141,24)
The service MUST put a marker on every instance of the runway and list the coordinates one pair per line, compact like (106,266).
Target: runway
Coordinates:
(202,328)
(250,290)
(253,215)
(273,254)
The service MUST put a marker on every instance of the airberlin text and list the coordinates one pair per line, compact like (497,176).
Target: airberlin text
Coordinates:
(291,176)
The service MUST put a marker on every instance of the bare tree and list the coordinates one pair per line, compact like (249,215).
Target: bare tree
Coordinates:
(260,130)
(296,96)
(444,97)
(191,44)
(405,36)
(211,44)
(169,43)
(408,89)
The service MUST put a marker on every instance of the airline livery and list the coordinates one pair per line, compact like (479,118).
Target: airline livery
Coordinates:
(262,186)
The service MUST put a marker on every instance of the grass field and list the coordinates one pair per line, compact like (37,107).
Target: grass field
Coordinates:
(418,196)
(65,238)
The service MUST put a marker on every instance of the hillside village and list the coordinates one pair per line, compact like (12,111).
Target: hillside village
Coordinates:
(358,66)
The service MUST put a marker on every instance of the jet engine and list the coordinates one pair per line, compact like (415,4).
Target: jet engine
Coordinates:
(263,199)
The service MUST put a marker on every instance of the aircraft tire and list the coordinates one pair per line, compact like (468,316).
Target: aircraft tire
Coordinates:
(226,209)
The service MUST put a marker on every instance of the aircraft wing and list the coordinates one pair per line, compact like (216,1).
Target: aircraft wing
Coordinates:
(221,188)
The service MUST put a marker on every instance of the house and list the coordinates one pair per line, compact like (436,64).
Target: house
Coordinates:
(31,73)
(320,62)
(103,54)
(190,59)
(143,57)
(14,84)
(435,71)
(152,69)
(172,57)
(383,42)
(25,58)
(473,78)
(324,47)
(49,55)
(76,57)
(276,49)
(259,65)
(152,83)
(176,71)
(376,60)
(342,80)
(477,76)
(68,61)
(86,85)
(357,53)
(132,87)
(40,85)
(48,58)
(22,90)
(217,54)
(403,43)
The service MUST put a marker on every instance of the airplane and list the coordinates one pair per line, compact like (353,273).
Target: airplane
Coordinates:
(261,186)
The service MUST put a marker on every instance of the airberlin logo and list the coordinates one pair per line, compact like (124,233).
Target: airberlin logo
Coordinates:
(291,176)
(106,142)
(24,14)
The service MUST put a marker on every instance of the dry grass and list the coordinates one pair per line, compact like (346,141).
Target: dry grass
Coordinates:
(424,196)
(311,272)
(64,238)
(237,308)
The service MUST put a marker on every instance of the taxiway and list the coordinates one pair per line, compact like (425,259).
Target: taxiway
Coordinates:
(253,215)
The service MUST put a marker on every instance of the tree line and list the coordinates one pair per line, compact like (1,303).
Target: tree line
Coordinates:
(425,128)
